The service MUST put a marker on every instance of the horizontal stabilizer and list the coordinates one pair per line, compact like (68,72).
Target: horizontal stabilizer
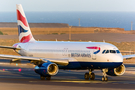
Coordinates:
(10,47)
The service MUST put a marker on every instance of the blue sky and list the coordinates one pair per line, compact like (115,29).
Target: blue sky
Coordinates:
(69,5)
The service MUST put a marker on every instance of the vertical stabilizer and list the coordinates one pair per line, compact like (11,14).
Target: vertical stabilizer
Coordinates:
(24,31)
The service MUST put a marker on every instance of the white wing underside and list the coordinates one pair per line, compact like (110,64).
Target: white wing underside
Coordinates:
(128,56)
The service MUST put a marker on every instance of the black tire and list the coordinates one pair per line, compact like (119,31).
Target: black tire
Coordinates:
(48,78)
(103,78)
(86,76)
(106,78)
(92,76)
(42,77)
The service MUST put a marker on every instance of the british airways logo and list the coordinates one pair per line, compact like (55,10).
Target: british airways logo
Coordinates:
(98,49)
(26,38)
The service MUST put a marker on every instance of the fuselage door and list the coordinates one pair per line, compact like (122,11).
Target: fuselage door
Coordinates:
(65,52)
(93,54)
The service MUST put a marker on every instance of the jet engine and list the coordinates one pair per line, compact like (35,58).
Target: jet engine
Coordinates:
(47,69)
(116,71)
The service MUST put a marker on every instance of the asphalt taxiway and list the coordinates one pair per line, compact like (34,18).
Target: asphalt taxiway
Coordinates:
(22,77)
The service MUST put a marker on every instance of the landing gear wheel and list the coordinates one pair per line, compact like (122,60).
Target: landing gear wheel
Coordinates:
(48,78)
(42,77)
(104,78)
(92,76)
(86,76)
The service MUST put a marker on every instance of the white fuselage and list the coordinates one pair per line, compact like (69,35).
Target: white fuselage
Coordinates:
(75,51)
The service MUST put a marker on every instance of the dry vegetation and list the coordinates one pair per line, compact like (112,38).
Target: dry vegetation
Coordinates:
(7,42)
(41,31)
(125,46)
(65,30)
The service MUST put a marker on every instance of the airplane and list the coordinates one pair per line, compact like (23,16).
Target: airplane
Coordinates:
(50,56)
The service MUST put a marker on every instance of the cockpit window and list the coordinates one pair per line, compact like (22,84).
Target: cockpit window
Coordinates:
(103,52)
(112,51)
(117,51)
(107,51)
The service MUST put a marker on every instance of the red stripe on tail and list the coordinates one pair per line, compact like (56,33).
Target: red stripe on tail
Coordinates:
(21,18)
(26,38)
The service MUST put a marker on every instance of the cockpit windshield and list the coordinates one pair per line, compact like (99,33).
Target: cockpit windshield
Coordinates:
(104,51)
(107,51)
(110,51)
(117,51)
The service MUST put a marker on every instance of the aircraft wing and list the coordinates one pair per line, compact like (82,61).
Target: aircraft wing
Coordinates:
(128,56)
(10,47)
(62,61)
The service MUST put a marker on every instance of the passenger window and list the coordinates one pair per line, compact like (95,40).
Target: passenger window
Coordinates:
(112,51)
(103,52)
(107,51)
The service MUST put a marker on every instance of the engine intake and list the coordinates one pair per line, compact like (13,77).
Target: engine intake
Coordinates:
(47,69)
(117,71)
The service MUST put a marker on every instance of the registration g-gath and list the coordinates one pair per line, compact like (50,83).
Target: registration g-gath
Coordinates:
(50,56)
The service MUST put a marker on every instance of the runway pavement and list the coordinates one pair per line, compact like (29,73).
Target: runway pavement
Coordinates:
(23,77)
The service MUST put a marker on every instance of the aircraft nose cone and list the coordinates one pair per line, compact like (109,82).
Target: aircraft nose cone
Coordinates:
(118,58)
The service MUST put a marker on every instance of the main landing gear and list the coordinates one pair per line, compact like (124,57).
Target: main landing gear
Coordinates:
(90,75)
(47,77)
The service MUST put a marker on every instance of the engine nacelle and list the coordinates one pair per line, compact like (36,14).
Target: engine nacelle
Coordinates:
(117,71)
(47,69)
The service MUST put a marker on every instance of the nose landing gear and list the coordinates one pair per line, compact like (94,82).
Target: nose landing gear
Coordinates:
(104,78)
